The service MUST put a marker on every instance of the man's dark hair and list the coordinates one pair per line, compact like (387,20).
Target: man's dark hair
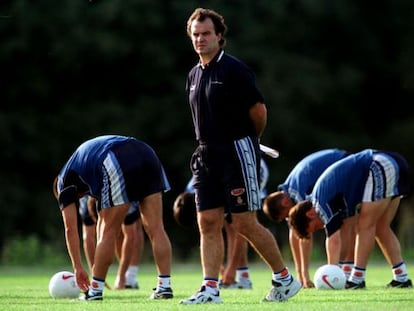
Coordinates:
(298,219)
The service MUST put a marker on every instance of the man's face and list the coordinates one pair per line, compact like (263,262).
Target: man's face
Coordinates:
(315,223)
(204,38)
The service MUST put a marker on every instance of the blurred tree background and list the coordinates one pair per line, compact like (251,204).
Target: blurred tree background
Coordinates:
(334,74)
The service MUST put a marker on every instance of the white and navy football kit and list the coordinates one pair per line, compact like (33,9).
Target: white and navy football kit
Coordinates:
(366,176)
(84,214)
(303,176)
(226,163)
(113,169)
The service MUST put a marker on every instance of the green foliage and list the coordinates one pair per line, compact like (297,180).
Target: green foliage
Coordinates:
(29,251)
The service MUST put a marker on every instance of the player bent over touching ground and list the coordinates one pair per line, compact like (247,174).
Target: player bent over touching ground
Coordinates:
(295,188)
(371,183)
(116,170)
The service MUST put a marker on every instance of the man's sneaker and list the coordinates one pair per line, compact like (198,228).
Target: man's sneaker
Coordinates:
(202,296)
(281,292)
(398,284)
(162,293)
(245,284)
(352,285)
(89,297)
(132,286)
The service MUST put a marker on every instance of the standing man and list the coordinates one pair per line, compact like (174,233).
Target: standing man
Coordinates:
(370,183)
(115,170)
(229,117)
(293,190)
(235,273)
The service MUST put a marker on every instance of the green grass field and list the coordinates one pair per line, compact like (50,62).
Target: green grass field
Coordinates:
(27,289)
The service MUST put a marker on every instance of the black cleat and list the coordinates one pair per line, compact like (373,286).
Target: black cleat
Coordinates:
(352,285)
(398,284)
(88,297)
(132,286)
(162,293)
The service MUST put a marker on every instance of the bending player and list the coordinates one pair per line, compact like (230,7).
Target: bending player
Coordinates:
(371,184)
(295,188)
(117,170)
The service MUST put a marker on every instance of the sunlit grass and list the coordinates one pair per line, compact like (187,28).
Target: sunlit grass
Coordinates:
(27,289)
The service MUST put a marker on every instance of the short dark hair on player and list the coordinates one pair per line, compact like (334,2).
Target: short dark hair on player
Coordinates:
(298,219)
(184,210)
(272,206)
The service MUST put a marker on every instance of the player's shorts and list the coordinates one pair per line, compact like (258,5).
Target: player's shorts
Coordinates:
(85,216)
(132,216)
(388,177)
(227,175)
(131,172)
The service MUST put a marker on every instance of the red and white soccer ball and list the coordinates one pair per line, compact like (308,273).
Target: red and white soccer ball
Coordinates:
(329,277)
(63,285)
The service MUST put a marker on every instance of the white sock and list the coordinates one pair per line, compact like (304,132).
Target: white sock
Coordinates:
(283,276)
(97,286)
(242,274)
(399,272)
(357,275)
(211,285)
(164,281)
(346,267)
(131,275)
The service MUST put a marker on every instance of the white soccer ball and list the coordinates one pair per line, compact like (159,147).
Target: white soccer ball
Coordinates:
(329,277)
(63,285)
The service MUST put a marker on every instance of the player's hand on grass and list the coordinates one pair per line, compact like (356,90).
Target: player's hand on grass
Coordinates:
(120,282)
(308,284)
(82,279)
